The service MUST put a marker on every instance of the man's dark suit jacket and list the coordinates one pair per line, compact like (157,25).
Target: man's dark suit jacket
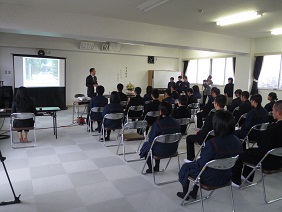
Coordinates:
(90,82)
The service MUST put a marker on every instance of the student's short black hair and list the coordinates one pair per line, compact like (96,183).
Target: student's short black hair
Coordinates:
(273,96)
(172,78)
(182,99)
(231,79)
(278,105)
(165,108)
(149,89)
(196,88)
(100,90)
(185,77)
(223,123)
(168,92)
(238,91)
(119,87)
(190,90)
(137,90)
(220,100)
(91,69)
(256,98)
(155,93)
(246,94)
(215,90)
(114,98)
(179,77)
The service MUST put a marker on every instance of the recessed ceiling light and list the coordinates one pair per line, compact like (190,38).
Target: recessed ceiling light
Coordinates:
(276,31)
(238,18)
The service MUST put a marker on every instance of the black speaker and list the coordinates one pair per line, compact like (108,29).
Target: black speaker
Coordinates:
(41,52)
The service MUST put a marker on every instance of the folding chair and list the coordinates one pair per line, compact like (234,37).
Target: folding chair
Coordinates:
(97,110)
(113,117)
(210,133)
(219,164)
(132,136)
(275,152)
(194,107)
(235,109)
(164,139)
(123,103)
(137,110)
(183,122)
(22,116)
(151,117)
(257,127)
(243,116)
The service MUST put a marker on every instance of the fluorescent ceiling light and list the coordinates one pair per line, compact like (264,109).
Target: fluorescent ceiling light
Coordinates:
(238,18)
(276,31)
(150,4)
(133,44)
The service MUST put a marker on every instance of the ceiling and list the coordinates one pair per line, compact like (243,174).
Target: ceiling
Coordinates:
(184,14)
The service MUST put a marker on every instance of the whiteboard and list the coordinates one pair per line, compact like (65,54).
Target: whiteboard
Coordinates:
(161,78)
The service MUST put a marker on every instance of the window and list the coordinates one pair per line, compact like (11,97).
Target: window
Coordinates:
(270,75)
(220,69)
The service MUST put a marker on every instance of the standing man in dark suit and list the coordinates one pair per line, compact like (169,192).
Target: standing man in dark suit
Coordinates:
(91,82)
(271,139)
(170,83)
(178,85)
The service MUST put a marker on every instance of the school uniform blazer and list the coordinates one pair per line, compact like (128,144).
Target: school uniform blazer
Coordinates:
(147,97)
(169,84)
(235,103)
(27,107)
(269,106)
(122,96)
(162,126)
(175,94)
(89,84)
(135,101)
(215,148)
(151,106)
(178,86)
(208,126)
(192,99)
(169,100)
(208,107)
(113,108)
(98,101)
(182,112)
(244,107)
(185,86)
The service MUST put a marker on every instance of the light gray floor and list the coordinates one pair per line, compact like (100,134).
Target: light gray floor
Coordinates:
(77,173)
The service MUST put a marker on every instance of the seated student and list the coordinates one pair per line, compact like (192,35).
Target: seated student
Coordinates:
(235,102)
(270,140)
(22,103)
(170,83)
(98,101)
(164,125)
(196,92)
(244,107)
(113,107)
(228,91)
(257,115)
(182,112)
(135,101)
(272,97)
(174,93)
(152,106)
(219,103)
(123,97)
(168,98)
(148,95)
(179,85)
(205,110)
(191,97)
(224,145)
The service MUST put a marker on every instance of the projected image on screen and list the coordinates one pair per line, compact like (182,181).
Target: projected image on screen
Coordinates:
(41,72)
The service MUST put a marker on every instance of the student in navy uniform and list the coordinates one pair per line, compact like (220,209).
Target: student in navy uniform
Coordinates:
(178,85)
(244,107)
(123,96)
(91,82)
(22,103)
(98,101)
(113,107)
(219,103)
(271,139)
(228,92)
(185,84)
(148,95)
(235,102)
(191,97)
(170,83)
(182,112)
(168,98)
(164,125)
(135,101)
(224,145)
(174,93)
(257,115)
(272,97)
(196,92)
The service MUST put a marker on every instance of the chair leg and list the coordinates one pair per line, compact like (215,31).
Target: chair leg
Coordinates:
(257,167)
(201,194)
(264,192)
(232,198)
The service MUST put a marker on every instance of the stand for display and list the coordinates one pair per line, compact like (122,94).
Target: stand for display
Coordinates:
(17,199)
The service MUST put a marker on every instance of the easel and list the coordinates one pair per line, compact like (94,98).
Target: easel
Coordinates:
(17,199)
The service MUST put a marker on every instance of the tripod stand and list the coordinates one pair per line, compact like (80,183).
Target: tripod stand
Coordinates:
(17,199)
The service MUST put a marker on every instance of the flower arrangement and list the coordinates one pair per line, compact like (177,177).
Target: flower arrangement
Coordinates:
(130,87)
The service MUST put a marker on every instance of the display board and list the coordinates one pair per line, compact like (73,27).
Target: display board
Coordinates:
(160,78)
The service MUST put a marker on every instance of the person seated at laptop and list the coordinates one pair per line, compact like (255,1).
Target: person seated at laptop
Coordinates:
(22,103)
(223,145)
(164,125)
(98,101)
(182,112)
(271,139)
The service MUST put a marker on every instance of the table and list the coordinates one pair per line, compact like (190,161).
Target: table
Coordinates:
(49,111)
(76,103)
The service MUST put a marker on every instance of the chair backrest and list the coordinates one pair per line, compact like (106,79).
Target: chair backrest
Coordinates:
(22,116)
(148,102)
(79,95)
(97,109)
(123,103)
(136,125)
(136,108)
(194,106)
(276,152)
(153,114)
(222,164)
(244,116)
(212,111)
(183,121)
(168,138)
(114,116)
(235,109)
(210,133)
(260,127)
